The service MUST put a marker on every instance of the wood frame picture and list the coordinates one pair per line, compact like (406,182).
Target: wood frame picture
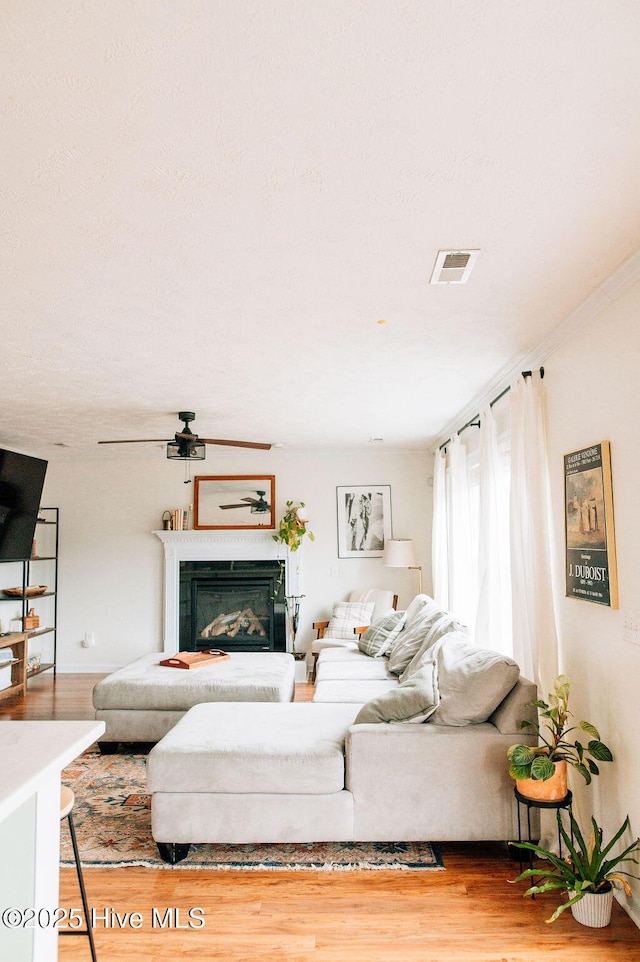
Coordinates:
(233,502)
(590,558)
(364,520)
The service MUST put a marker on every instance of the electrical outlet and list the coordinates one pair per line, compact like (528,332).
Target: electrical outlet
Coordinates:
(631,626)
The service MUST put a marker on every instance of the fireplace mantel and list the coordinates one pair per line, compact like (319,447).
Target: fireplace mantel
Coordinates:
(213,546)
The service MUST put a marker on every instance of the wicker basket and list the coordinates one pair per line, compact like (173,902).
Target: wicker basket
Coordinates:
(31,620)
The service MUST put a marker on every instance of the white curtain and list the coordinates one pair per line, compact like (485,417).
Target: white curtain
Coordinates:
(439,540)
(535,642)
(463,537)
(493,619)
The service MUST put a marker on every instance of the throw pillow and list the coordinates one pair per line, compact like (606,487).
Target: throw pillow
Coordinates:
(438,627)
(413,701)
(348,615)
(472,681)
(416,628)
(381,634)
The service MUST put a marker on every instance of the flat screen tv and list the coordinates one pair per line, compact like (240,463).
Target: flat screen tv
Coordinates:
(21,483)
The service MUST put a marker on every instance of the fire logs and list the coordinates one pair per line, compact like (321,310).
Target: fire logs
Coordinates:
(231,624)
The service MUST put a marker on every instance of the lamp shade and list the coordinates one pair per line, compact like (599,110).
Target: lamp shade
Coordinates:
(399,553)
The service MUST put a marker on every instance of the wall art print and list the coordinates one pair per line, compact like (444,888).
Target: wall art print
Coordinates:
(591,573)
(364,520)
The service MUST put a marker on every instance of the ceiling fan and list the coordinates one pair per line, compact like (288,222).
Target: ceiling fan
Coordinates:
(259,506)
(187,446)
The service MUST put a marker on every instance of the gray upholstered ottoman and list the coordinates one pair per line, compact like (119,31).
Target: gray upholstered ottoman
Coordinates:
(143,701)
(238,773)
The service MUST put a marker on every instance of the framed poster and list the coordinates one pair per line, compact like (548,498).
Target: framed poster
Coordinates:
(234,501)
(364,520)
(590,560)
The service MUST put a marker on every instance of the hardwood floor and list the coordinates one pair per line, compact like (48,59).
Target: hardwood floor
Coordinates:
(468,913)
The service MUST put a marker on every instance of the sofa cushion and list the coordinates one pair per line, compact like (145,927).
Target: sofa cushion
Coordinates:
(343,654)
(381,634)
(247,676)
(441,625)
(348,615)
(353,691)
(370,669)
(472,681)
(414,700)
(260,748)
(421,614)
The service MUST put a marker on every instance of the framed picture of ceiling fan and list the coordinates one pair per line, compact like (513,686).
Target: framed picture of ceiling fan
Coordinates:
(234,501)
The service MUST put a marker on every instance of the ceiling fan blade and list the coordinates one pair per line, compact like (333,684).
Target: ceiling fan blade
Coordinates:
(252,500)
(138,441)
(223,506)
(236,444)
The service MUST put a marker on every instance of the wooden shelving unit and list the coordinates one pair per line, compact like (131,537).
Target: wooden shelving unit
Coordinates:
(17,642)
(39,569)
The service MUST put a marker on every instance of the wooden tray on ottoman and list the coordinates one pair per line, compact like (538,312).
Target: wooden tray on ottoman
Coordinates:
(195,659)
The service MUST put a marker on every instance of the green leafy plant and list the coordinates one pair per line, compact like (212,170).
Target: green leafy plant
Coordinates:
(587,867)
(554,730)
(292,527)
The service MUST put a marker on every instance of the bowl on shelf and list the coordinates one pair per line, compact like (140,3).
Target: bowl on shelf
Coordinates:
(30,592)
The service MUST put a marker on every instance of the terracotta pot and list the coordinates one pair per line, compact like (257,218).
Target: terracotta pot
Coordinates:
(593,909)
(551,790)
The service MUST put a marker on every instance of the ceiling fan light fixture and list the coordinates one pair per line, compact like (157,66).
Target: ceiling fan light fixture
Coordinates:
(186,450)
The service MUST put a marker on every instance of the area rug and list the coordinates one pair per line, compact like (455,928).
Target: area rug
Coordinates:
(112,818)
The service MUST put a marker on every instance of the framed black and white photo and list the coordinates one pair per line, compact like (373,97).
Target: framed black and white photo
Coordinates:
(364,520)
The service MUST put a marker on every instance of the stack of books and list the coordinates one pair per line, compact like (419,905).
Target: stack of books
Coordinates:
(181,519)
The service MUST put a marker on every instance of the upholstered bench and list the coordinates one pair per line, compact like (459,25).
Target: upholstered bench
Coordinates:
(238,774)
(143,701)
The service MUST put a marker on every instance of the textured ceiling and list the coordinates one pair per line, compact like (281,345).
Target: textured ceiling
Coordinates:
(213,205)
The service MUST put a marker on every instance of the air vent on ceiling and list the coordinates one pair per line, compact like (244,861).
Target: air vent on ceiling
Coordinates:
(453,267)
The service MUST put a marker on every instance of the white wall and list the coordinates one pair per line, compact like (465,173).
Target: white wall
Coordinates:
(111,565)
(593,395)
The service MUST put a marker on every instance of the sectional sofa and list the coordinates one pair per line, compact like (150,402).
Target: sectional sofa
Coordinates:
(406,739)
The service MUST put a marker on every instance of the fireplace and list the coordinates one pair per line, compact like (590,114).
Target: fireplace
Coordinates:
(235,549)
(236,605)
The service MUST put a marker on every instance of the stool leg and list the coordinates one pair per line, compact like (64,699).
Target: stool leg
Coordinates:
(83,893)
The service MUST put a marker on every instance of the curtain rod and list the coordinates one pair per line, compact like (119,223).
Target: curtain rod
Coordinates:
(474,422)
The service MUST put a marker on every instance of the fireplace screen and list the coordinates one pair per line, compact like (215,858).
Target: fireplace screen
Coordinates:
(236,606)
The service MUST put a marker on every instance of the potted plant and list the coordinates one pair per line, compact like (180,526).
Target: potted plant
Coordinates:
(587,874)
(540,772)
(293,527)
(291,530)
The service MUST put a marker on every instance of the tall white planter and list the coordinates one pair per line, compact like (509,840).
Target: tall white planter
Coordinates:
(593,909)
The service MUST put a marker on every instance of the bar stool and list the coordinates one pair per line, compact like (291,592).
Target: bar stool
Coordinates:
(67,799)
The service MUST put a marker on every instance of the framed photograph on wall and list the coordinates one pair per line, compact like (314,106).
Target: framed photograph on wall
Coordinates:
(591,573)
(364,520)
(234,501)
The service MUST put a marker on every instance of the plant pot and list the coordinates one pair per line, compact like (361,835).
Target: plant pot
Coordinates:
(593,909)
(551,790)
